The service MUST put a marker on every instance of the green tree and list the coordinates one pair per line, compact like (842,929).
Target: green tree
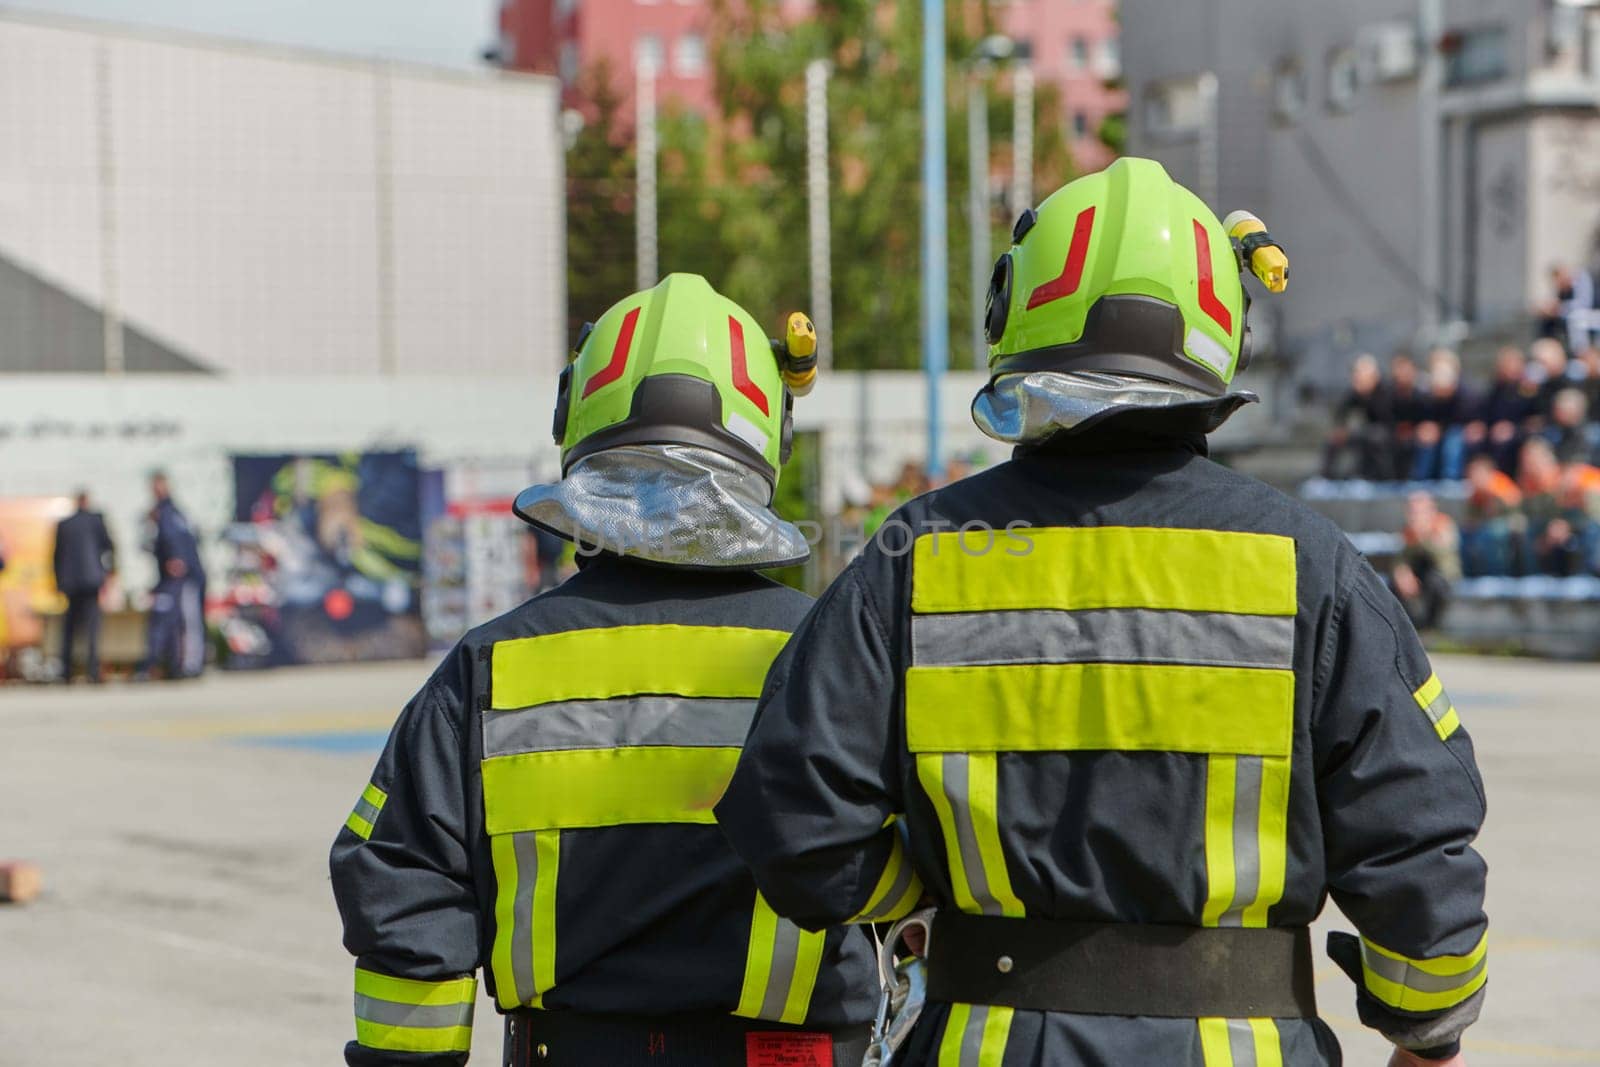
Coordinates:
(733,189)
(600,205)
(732,184)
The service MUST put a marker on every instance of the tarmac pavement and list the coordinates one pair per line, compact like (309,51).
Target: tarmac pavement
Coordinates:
(183,832)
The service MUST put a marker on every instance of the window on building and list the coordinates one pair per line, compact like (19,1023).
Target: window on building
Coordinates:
(647,51)
(1077,53)
(569,62)
(1110,59)
(1288,91)
(1173,107)
(1080,124)
(1474,56)
(1344,78)
(689,56)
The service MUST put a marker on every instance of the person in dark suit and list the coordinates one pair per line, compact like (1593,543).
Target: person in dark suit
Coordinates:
(84,557)
(176,632)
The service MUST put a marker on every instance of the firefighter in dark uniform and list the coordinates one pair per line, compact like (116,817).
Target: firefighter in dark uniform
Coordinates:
(1126,717)
(543,809)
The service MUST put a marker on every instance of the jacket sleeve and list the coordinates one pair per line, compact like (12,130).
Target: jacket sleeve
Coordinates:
(108,548)
(402,878)
(1401,802)
(813,807)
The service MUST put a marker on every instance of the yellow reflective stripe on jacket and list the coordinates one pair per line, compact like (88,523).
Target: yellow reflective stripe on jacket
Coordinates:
(688,661)
(975,1036)
(523,956)
(606,728)
(780,968)
(365,815)
(1240,1043)
(1435,702)
(604,787)
(897,890)
(1124,707)
(1109,567)
(1111,639)
(408,1015)
(1423,984)
(963,788)
(1246,846)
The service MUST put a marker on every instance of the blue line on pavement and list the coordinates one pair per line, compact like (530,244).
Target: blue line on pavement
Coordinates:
(343,741)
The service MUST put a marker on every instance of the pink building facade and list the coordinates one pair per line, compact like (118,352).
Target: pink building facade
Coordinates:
(1073,44)
(1075,47)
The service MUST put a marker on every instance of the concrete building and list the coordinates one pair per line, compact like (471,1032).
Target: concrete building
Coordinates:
(208,248)
(1424,161)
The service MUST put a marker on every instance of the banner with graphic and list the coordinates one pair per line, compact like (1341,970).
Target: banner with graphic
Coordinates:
(324,559)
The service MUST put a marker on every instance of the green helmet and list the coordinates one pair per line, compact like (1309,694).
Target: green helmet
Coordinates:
(676,364)
(1126,271)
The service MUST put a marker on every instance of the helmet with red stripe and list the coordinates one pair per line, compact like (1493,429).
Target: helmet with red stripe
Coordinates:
(1126,271)
(680,364)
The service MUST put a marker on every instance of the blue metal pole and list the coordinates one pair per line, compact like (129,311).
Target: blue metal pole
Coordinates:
(935,246)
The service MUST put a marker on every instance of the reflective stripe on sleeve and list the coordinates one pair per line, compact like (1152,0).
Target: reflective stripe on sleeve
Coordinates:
(898,888)
(1435,703)
(975,1036)
(1075,568)
(408,1015)
(1099,706)
(365,815)
(604,787)
(780,969)
(598,664)
(1431,984)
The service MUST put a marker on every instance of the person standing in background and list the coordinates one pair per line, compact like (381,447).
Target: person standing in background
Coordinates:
(84,557)
(177,631)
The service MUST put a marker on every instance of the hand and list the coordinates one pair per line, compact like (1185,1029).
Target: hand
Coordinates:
(1402,1058)
(1405,581)
(176,568)
(915,938)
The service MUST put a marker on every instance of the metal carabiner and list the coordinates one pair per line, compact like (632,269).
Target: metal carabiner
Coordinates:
(905,989)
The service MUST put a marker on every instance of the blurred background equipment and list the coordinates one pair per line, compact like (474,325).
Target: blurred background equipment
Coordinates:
(336,543)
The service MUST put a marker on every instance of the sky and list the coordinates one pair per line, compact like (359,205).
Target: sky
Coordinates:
(450,33)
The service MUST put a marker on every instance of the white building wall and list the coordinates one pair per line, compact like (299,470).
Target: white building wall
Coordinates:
(280,213)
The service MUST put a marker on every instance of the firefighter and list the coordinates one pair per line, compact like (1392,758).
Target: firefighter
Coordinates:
(1124,716)
(543,807)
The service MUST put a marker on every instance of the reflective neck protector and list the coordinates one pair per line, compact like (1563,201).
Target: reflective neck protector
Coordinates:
(1029,407)
(670,504)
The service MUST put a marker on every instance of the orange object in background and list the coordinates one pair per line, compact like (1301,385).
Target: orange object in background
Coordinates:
(28,583)
(19,882)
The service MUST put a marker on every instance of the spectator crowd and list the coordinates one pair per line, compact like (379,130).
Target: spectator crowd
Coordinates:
(1524,446)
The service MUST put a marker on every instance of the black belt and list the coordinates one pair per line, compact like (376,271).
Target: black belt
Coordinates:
(1089,968)
(583,1039)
